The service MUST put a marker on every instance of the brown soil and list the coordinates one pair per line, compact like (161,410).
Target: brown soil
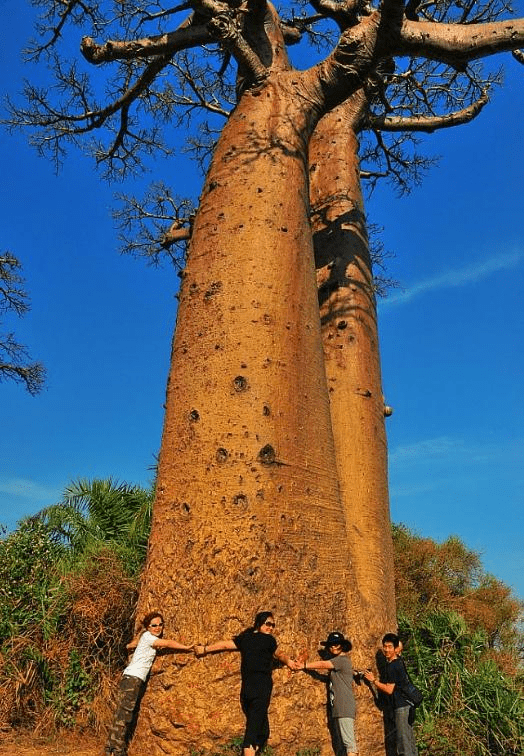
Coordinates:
(26,745)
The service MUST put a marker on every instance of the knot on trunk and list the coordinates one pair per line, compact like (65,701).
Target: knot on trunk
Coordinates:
(223,27)
(267,455)
(221,455)
(240,383)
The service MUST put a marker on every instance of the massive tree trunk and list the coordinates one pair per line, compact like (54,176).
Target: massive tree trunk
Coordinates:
(248,514)
(350,338)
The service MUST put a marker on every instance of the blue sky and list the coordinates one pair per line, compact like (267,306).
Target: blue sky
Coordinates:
(451,336)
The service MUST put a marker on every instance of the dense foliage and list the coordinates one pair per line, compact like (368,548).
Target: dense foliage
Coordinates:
(463,644)
(448,576)
(471,706)
(68,580)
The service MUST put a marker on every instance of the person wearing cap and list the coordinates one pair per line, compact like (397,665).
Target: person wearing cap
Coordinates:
(341,699)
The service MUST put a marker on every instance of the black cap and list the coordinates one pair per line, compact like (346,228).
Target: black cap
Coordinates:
(337,639)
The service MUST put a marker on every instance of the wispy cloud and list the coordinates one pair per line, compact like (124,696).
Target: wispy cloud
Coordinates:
(425,449)
(28,489)
(470,487)
(453,278)
(441,447)
(452,464)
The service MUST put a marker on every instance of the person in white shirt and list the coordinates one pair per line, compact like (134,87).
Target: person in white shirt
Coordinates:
(134,680)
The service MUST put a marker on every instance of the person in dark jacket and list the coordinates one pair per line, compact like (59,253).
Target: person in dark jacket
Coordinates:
(393,678)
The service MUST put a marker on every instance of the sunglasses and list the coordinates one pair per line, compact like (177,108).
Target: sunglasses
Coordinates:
(269,624)
(159,624)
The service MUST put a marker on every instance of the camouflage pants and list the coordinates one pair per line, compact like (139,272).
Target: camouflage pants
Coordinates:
(129,693)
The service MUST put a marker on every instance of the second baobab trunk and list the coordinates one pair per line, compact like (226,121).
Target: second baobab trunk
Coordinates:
(351,349)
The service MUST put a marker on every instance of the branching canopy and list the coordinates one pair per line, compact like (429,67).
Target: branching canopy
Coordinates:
(145,72)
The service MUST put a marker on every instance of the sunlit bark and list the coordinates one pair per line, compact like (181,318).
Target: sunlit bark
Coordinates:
(351,349)
(248,513)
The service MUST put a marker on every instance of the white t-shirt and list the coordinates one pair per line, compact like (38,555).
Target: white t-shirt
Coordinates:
(143,657)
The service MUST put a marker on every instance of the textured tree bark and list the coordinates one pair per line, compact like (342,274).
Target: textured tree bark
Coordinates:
(248,513)
(350,338)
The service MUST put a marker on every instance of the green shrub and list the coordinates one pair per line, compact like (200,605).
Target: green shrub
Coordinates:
(29,580)
(471,707)
(63,633)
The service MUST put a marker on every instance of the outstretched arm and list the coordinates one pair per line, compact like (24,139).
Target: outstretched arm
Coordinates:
(221,645)
(284,659)
(173,644)
(318,664)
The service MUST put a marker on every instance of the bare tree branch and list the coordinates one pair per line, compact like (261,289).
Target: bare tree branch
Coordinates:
(164,44)
(343,13)
(12,295)
(456,45)
(18,369)
(196,80)
(44,115)
(15,361)
(392,158)
(175,233)
(430,124)
(51,25)
(164,13)
(226,29)
(155,227)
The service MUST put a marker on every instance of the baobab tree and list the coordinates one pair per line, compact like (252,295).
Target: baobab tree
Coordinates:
(271,489)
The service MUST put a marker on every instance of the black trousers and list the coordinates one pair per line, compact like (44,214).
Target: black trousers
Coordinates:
(255,697)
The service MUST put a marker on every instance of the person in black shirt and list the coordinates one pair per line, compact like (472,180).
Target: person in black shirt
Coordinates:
(391,683)
(258,649)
